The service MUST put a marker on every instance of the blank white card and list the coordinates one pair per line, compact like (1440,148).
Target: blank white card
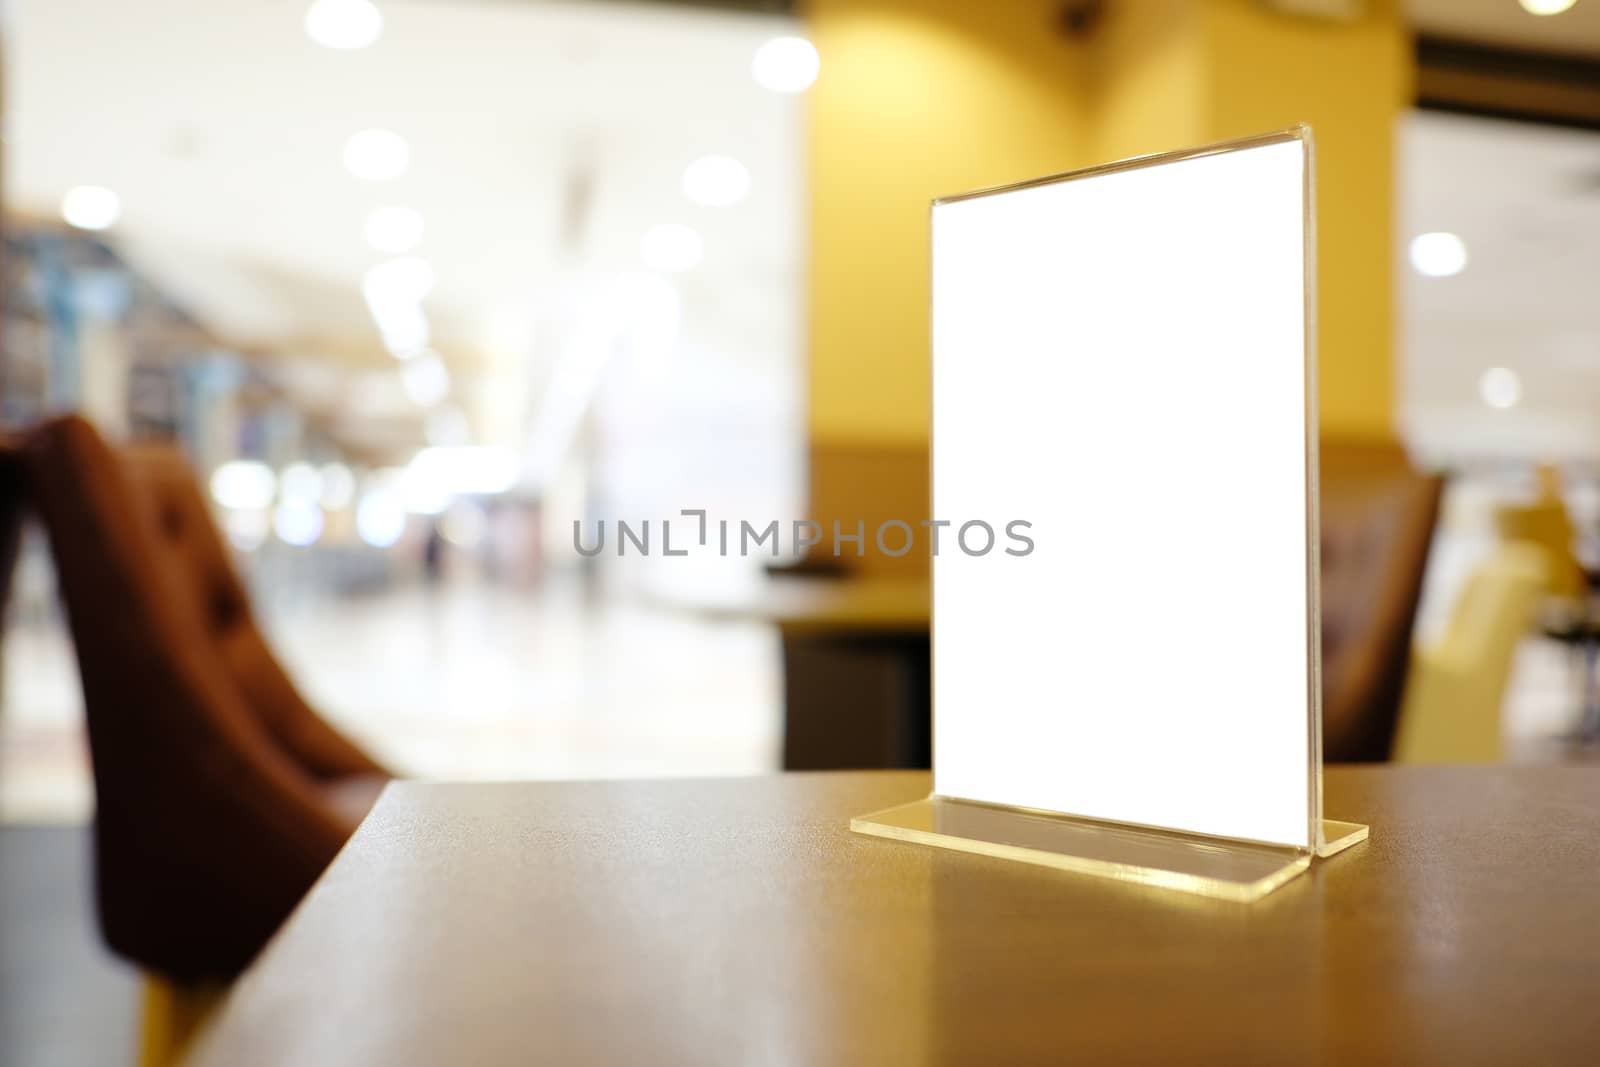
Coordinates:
(1120,360)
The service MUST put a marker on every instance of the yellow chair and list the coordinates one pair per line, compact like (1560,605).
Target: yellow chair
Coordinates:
(1568,612)
(1456,688)
(173,1016)
(1545,523)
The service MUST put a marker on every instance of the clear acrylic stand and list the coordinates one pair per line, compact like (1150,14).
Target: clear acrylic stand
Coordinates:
(1210,866)
(1219,867)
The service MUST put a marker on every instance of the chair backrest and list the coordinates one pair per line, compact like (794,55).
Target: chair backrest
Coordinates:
(1456,693)
(1545,523)
(13,503)
(211,585)
(1378,516)
(210,820)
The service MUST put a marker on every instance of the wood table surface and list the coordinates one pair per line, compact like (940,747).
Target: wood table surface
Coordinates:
(738,921)
(825,605)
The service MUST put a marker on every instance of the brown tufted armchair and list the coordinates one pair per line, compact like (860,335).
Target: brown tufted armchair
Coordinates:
(1378,515)
(220,794)
(13,503)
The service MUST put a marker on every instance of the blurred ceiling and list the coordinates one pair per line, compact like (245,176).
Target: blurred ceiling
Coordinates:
(1525,199)
(545,139)
(1575,31)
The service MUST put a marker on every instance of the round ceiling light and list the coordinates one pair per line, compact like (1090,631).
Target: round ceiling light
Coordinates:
(1546,7)
(1438,255)
(344,24)
(377,155)
(1500,388)
(381,517)
(90,207)
(786,65)
(243,484)
(298,522)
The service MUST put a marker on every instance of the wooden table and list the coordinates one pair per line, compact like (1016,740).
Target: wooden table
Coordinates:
(855,667)
(826,605)
(739,922)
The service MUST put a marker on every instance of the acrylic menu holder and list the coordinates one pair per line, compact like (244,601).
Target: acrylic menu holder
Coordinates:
(1124,362)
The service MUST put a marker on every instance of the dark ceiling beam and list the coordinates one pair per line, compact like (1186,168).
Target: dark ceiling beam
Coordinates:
(1481,79)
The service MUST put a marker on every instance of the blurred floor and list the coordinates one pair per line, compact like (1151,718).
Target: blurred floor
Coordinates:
(64,1000)
(465,681)
(470,680)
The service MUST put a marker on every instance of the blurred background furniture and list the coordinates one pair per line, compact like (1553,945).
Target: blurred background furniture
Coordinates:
(1544,522)
(1378,515)
(855,663)
(854,627)
(856,652)
(1568,612)
(856,644)
(12,507)
(1457,685)
(856,672)
(220,795)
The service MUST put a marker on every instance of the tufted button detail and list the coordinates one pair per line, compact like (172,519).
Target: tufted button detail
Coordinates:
(172,520)
(224,609)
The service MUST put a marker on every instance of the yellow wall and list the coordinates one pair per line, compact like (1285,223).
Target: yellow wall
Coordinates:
(1147,90)
(915,100)
(921,98)
(1350,82)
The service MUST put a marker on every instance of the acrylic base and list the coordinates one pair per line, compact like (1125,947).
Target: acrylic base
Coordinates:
(1213,867)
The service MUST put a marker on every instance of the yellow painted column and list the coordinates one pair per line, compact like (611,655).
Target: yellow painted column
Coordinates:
(921,98)
(1148,85)
(915,99)
(1350,81)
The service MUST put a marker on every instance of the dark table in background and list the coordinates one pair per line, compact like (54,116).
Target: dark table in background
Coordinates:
(739,922)
(856,680)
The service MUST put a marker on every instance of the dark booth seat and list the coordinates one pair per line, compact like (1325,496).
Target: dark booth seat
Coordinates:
(1378,514)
